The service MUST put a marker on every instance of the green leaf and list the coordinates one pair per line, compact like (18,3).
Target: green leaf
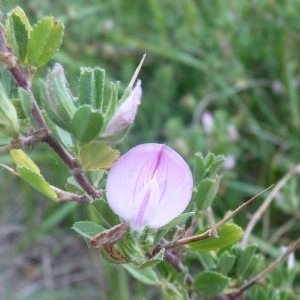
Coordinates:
(225,262)
(199,167)
(9,123)
(37,181)
(17,32)
(86,123)
(87,229)
(244,261)
(106,216)
(206,192)
(45,39)
(159,257)
(213,163)
(146,276)
(208,259)
(210,283)
(178,220)
(25,102)
(97,155)
(227,235)
(22,160)
(91,87)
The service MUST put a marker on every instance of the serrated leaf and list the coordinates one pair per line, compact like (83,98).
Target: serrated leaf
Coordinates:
(210,283)
(91,87)
(227,235)
(86,123)
(146,276)
(37,181)
(213,163)
(87,229)
(22,160)
(97,155)
(45,39)
(17,32)
(206,192)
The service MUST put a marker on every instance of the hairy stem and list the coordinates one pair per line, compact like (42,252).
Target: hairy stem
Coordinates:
(9,61)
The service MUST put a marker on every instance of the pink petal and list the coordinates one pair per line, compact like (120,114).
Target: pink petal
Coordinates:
(126,113)
(149,186)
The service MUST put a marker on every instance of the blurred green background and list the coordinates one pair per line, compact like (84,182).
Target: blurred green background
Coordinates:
(220,76)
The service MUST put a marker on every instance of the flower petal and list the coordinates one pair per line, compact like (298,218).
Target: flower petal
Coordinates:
(149,186)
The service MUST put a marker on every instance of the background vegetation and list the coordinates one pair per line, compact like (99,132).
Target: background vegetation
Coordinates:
(233,63)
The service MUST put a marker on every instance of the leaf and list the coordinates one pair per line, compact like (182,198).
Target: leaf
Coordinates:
(45,39)
(245,261)
(227,235)
(146,276)
(87,229)
(97,155)
(22,160)
(25,102)
(91,87)
(199,167)
(178,220)
(213,163)
(225,262)
(86,123)
(18,31)
(206,192)
(210,283)
(157,258)
(37,181)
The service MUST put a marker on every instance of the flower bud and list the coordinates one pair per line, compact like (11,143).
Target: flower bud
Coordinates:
(150,185)
(126,112)
(57,98)
(9,123)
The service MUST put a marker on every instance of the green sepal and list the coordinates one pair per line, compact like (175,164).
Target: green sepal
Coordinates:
(57,99)
(97,155)
(87,229)
(17,32)
(86,124)
(45,39)
(210,283)
(130,248)
(91,87)
(227,235)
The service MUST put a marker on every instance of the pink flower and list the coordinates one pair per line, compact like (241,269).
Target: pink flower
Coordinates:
(149,185)
(126,113)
